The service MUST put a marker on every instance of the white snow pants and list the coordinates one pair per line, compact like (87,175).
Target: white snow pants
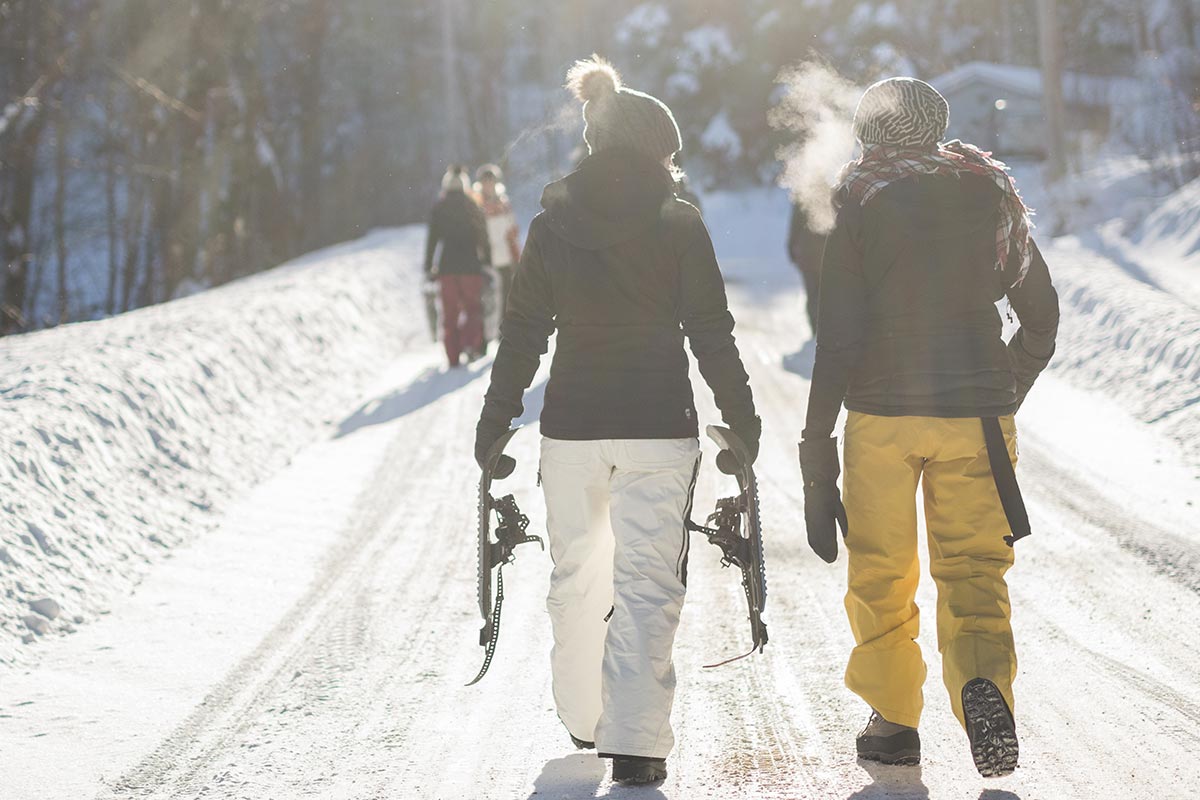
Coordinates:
(615,513)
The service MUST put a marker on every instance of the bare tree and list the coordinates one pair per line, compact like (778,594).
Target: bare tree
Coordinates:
(61,138)
(315,28)
(1053,109)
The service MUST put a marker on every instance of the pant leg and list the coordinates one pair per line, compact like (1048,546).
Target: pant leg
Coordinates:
(575,480)
(651,491)
(451,310)
(882,470)
(968,559)
(472,304)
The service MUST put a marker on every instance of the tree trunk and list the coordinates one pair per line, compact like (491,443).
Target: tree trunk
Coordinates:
(60,209)
(18,155)
(1053,110)
(111,211)
(453,136)
(1187,21)
(316,27)
(135,209)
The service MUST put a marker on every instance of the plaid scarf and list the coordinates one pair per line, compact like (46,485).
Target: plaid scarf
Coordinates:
(881,165)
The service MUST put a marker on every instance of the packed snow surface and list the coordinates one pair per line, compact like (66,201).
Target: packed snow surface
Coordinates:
(315,642)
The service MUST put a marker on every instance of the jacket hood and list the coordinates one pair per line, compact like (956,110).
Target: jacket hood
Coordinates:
(614,196)
(940,206)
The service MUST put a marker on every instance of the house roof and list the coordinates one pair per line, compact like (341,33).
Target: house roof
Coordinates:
(1078,88)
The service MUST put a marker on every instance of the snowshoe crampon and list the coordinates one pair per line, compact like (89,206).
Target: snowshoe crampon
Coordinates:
(734,527)
(495,552)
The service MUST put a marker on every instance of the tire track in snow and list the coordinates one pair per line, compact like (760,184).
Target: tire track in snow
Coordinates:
(1169,553)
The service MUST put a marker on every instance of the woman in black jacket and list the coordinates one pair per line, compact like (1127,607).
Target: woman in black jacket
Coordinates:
(929,237)
(623,271)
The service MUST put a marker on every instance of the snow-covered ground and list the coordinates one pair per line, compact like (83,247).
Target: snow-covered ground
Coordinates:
(124,438)
(314,642)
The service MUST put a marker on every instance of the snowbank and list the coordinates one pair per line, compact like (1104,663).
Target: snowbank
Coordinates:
(1127,337)
(122,438)
(1175,225)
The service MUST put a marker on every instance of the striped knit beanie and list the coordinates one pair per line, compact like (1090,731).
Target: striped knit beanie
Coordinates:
(618,117)
(901,112)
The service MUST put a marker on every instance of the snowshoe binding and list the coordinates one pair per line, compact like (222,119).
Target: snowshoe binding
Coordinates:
(734,527)
(888,743)
(493,555)
(991,728)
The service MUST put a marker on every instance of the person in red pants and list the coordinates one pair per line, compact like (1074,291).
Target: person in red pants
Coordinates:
(457,224)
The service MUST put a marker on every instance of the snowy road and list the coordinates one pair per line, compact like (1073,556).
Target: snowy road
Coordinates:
(328,658)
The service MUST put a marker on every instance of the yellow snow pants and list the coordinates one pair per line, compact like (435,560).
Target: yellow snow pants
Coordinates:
(885,457)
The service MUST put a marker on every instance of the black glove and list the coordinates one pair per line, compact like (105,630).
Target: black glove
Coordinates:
(823,509)
(749,432)
(486,435)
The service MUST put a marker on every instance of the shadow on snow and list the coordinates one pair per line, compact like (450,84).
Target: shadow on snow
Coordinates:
(892,783)
(432,385)
(575,776)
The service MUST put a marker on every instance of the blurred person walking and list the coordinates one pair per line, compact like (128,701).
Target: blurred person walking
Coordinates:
(458,226)
(625,271)
(504,238)
(805,248)
(929,237)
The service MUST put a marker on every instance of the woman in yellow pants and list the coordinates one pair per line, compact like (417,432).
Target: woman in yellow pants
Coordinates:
(929,237)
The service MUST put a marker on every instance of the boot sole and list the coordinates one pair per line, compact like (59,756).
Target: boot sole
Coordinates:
(892,759)
(991,729)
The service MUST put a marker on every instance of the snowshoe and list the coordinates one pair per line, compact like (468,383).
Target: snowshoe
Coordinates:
(493,555)
(633,770)
(734,527)
(888,743)
(991,728)
(581,744)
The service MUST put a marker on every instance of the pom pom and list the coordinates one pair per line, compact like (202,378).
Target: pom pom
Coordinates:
(593,79)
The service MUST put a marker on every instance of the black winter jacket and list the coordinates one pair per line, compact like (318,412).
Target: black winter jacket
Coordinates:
(458,224)
(908,323)
(623,271)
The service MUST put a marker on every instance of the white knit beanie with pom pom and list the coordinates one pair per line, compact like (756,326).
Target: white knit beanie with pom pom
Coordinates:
(456,179)
(615,116)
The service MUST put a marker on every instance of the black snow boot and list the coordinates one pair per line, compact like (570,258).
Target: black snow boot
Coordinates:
(990,727)
(889,743)
(581,744)
(630,770)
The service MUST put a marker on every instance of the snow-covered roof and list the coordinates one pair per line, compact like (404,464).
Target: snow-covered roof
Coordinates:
(1078,88)
(720,137)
